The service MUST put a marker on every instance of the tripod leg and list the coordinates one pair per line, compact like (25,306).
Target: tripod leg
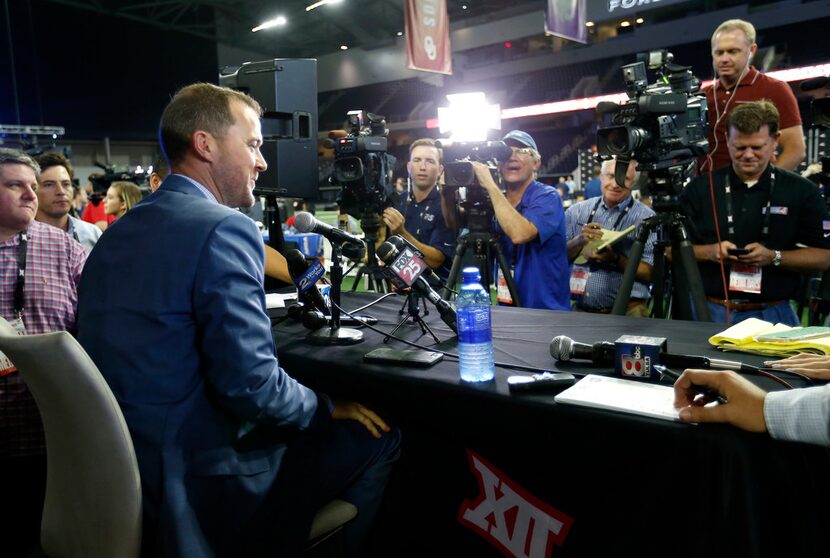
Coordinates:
(397,327)
(505,271)
(692,274)
(680,297)
(460,250)
(635,255)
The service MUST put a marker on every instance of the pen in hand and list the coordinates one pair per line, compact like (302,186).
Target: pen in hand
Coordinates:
(708,394)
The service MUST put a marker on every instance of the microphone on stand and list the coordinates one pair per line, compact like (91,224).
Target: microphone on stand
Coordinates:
(407,268)
(306,222)
(305,278)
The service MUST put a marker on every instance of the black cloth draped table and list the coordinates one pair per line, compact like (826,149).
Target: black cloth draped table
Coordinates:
(622,483)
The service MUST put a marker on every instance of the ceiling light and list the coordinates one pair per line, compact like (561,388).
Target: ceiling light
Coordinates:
(625,24)
(400,33)
(321,3)
(589,24)
(464,7)
(639,20)
(270,23)
(344,47)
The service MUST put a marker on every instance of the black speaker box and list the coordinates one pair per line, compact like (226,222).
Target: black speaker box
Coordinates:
(287,91)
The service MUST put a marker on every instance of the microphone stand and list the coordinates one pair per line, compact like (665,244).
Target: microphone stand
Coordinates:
(335,335)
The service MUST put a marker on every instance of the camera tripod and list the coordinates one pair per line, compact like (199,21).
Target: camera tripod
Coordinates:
(412,309)
(485,246)
(371,225)
(683,271)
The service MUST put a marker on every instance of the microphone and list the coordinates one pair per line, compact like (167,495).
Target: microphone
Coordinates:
(408,267)
(400,243)
(695,361)
(815,83)
(564,348)
(305,279)
(306,222)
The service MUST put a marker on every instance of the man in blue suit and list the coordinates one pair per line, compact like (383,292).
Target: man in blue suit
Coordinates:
(235,455)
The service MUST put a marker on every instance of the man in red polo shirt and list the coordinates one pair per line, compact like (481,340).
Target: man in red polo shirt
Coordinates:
(733,46)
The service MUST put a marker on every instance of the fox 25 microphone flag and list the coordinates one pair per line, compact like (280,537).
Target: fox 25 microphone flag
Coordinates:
(428,36)
(566,19)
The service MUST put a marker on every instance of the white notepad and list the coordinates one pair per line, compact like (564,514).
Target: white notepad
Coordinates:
(626,396)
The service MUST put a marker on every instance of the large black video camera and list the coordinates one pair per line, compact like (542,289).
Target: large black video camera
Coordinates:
(362,167)
(662,126)
(473,208)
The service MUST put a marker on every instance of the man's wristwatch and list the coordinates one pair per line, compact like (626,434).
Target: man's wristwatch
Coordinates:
(776,261)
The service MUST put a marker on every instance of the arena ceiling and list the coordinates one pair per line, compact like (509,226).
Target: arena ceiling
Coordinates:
(365,23)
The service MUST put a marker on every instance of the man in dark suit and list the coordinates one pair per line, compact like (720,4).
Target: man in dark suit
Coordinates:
(235,455)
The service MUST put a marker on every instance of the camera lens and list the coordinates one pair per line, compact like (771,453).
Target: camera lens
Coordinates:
(348,169)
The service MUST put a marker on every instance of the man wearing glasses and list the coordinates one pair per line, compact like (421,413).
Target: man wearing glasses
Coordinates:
(531,223)
(595,282)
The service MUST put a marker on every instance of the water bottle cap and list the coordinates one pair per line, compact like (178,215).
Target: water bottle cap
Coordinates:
(471,275)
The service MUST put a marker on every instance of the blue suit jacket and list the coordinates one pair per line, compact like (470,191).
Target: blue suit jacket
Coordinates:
(172,310)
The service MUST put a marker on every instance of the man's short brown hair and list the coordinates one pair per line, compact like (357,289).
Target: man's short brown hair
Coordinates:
(749,118)
(429,143)
(199,106)
(49,160)
(15,157)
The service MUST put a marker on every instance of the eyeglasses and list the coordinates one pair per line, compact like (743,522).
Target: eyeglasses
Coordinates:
(522,150)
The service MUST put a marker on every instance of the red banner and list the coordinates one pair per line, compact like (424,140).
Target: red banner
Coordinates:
(428,36)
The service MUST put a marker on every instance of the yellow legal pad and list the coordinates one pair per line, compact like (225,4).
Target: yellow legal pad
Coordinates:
(763,338)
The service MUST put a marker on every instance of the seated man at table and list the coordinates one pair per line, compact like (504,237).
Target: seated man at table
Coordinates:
(235,455)
(419,217)
(595,283)
(764,214)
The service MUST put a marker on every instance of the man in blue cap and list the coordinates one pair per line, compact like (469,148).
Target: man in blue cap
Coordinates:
(531,222)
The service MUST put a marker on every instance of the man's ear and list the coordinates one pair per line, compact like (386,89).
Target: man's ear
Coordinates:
(203,145)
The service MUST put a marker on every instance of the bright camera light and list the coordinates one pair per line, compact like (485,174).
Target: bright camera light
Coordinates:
(469,117)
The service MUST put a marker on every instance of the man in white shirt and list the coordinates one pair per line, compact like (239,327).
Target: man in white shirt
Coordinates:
(54,196)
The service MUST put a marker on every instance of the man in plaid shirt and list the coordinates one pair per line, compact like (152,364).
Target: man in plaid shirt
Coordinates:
(43,299)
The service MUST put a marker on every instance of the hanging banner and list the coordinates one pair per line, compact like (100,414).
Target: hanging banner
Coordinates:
(428,36)
(566,19)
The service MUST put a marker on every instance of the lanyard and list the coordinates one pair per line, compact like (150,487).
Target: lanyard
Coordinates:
(623,213)
(21,273)
(730,218)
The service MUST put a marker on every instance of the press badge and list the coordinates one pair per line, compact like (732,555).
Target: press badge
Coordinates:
(6,366)
(502,290)
(745,278)
(579,279)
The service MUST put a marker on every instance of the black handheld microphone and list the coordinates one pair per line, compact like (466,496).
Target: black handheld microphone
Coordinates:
(305,279)
(565,348)
(306,222)
(695,361)
(400,243)
(389,255)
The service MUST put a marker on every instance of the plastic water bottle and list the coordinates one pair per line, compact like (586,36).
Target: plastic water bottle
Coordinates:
(475,336)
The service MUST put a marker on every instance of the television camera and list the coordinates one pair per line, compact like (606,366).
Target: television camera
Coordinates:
(663,126)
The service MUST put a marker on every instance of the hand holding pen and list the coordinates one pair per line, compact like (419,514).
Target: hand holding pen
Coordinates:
(743,406)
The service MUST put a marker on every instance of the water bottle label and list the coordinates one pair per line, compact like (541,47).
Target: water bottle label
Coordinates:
(474,325)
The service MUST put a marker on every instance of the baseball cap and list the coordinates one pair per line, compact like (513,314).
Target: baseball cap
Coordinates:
(521,137)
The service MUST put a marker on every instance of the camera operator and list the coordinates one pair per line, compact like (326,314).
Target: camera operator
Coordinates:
(596,283)
(763,213)
(733,46)
(420,209)
(531,223)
